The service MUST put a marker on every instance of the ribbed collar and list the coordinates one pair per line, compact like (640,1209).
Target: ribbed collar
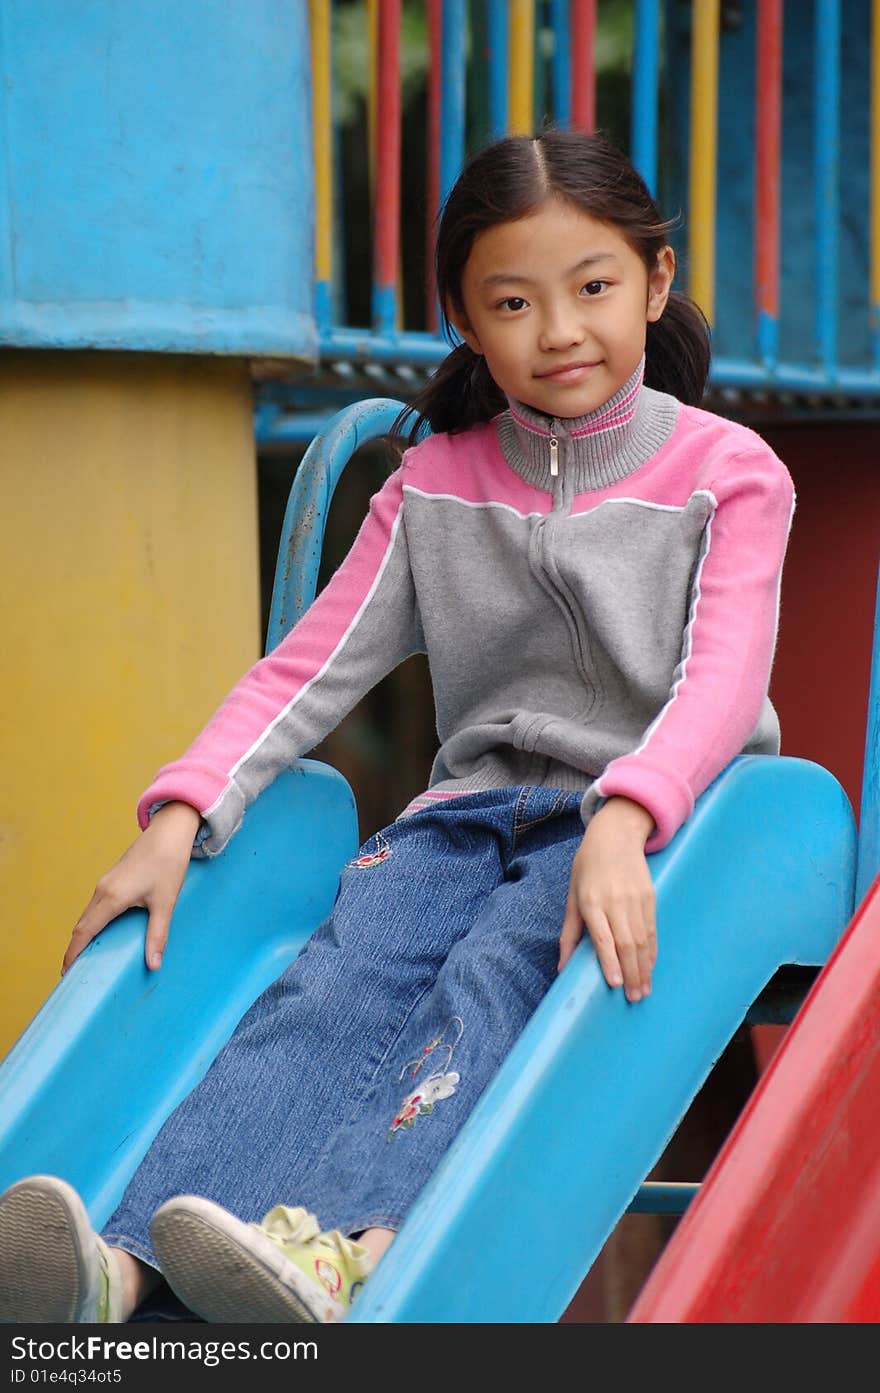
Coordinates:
(594,450)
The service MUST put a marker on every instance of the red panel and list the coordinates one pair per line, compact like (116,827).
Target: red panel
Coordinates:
(823,660)
(786,1227)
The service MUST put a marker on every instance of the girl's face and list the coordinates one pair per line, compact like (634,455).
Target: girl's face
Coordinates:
(559,304)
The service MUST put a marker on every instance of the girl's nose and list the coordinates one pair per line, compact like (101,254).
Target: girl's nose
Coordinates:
(560,329)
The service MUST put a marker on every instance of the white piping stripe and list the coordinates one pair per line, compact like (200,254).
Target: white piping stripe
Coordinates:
(644,503)
(338,649)
(467,503)
(605,502)
(688,636)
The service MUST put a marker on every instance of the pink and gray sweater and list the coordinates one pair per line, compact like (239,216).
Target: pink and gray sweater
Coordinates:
(598,598)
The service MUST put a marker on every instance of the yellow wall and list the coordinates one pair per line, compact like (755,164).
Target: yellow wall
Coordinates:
(128,538)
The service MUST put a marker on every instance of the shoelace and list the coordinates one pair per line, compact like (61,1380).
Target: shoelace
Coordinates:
(285,1225)
(296,1226)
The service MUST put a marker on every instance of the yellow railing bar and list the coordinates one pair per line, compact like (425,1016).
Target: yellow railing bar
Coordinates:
(322,137)
(521,51)
(704,153)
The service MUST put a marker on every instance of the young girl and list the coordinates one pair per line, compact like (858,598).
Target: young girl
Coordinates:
(592,565)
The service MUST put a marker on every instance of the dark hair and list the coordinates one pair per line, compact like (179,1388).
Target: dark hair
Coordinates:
(510,179)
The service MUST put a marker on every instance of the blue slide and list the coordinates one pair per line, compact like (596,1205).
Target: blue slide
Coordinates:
(761,875)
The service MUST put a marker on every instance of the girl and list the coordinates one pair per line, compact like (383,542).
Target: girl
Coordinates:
(592,565)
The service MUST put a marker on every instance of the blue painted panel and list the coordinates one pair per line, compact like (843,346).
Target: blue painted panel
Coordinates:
(156,191)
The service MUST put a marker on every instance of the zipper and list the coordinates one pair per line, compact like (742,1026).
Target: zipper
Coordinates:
(546,573)
(554,457)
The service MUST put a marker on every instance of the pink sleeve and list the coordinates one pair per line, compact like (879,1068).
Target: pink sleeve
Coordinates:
(720,684)
(361,626)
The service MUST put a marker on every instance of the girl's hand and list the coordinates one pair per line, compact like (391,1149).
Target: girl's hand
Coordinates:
(611,891)
(148,876)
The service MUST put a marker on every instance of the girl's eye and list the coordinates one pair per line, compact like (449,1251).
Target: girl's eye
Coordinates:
(513,302)
(594,287)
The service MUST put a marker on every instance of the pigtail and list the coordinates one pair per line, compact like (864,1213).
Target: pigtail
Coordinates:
(459,394)
(678,352)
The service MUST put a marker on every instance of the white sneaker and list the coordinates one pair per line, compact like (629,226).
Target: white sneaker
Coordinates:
(280,1270)
(53,1266)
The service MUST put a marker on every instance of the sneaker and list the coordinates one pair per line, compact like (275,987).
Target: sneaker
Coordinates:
(53,1266)
(280,1270)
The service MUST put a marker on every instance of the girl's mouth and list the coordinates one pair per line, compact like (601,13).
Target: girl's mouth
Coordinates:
(571,372)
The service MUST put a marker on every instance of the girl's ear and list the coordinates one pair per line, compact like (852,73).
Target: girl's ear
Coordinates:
(660,283)
(462,325)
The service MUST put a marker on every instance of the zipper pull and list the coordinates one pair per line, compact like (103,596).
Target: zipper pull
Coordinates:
(554,456)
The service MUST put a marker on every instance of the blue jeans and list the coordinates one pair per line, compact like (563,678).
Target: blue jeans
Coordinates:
(346,1081)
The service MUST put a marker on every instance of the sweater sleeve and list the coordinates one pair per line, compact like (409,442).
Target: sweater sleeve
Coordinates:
(720,683)
(363,623)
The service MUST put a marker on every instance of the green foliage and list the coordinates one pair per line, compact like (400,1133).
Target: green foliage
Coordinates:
(614,42)
(351,56)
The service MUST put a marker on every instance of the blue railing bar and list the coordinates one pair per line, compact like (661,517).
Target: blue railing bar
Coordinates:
(298,426)
(560,15)
(646,68)
(868,863)
(298,429)
(826,117)
(324,316)
(768,340)
(660,1197)
(795,377)
(338,298)
(497,36)
(453,94)
(421,349)
(384,302)
(302,533)
(409,346)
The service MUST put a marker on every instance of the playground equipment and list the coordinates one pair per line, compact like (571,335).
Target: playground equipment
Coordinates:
(786,1226)
(762,875)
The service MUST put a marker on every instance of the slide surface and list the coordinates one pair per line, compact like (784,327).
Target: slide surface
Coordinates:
(786,1227)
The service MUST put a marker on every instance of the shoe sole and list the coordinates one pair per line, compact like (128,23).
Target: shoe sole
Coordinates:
(228,1272)
(47,1269)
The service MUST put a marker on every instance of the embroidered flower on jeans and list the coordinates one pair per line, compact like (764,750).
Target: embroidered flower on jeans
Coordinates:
(413,1066)
(369,859)
(422,1100)
(439,1084)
